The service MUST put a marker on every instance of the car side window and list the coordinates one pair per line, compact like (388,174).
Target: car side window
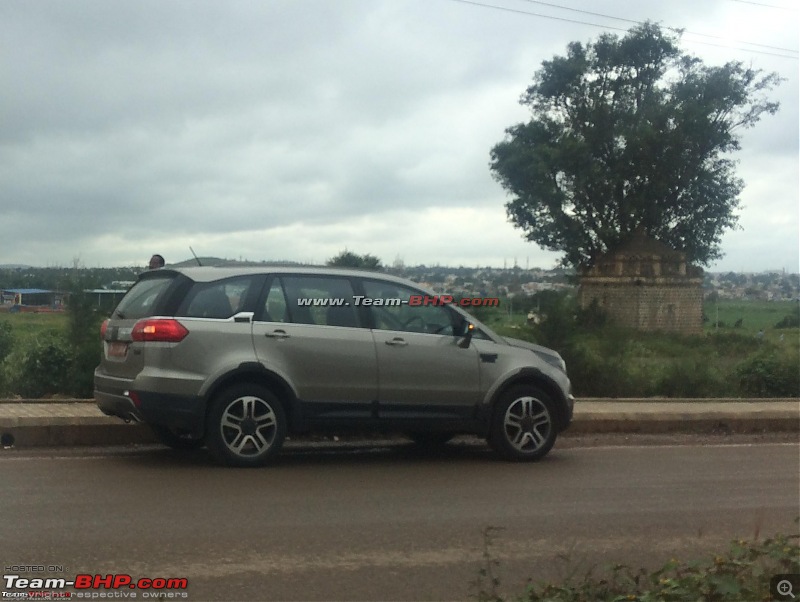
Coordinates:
(320,300)
(217,300)
(390,309)
(275,308)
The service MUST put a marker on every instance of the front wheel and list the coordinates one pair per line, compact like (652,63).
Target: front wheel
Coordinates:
(523,427)
(246,426)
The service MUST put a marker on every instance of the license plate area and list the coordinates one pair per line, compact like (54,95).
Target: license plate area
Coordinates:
(117,349)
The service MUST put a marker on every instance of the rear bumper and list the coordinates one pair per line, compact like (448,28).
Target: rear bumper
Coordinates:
(117,405)
(118,397)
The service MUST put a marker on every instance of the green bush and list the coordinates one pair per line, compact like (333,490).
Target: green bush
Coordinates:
(690,377)
(740,574)
(743,574)
(85,346)
(6,340)
(39,368)
(768,374)
(791,320)
(604,365)
(732,344)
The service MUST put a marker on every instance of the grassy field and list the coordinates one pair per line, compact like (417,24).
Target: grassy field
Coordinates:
(721,317)
(25,325)
(603,360)
(754,316)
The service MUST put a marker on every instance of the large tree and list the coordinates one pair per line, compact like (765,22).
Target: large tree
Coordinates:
(630,133)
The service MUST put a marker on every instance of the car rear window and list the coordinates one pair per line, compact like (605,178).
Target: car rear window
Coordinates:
(217,300)
(141,299)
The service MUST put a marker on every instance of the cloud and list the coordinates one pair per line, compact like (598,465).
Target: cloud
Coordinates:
(290,130)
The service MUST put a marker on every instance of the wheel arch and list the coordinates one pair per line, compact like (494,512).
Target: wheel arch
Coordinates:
(256,373)
(534,378)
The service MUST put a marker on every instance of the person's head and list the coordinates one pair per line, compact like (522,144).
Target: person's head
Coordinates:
(156,261)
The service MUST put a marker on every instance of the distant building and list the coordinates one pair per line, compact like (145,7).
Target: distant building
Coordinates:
(107,298)
(33,298)
(646,285)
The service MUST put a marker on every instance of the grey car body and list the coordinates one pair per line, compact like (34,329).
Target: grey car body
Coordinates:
(232,358)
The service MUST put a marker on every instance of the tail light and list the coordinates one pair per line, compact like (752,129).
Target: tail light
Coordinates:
(103,328)
(162,330)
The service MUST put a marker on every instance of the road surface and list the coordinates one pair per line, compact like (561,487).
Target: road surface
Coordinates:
(385,523)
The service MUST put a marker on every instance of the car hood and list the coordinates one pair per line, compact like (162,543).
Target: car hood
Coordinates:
(549,355)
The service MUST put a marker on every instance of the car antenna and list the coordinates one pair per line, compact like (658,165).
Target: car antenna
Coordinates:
(195,256)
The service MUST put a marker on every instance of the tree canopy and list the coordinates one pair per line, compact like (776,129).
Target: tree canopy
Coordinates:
(348,259)
(630,134)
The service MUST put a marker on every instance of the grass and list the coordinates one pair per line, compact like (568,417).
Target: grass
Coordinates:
(754,316)
(27,325)
(608,361)
(741,573)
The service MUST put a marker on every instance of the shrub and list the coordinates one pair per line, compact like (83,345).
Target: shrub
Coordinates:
(39,368)
(85,346)
(732,344)
(607,364)
(689,377)
(742,573)
(791,320)
(6,340)
(766,374)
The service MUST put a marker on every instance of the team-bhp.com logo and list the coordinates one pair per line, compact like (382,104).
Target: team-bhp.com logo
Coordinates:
(412,301)
(93,587)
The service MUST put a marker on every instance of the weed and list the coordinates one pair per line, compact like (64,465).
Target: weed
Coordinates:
(741,573)
(487,582)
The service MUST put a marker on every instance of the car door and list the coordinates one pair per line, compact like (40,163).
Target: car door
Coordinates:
(308,331)
(422,372)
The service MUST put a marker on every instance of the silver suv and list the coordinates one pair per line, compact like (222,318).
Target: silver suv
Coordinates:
(237,358)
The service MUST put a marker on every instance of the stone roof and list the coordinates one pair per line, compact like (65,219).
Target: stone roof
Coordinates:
(642,257)
(642,245)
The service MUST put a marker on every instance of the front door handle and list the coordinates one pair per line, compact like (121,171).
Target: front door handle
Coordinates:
(277,334)
(397,342)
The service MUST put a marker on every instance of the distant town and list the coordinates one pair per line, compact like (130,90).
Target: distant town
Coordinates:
(509,282)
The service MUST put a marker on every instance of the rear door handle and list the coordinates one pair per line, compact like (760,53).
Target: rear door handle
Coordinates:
(397,342)
(277,334)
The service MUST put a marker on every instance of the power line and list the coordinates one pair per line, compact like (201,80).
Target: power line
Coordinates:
(765,5)
(564,19)
(694,33)
(524,12)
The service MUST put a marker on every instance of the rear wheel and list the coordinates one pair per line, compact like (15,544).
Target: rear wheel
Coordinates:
(175,439)
(246,426)
(523,426)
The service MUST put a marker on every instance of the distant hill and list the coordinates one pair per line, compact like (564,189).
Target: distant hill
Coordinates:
(217,262)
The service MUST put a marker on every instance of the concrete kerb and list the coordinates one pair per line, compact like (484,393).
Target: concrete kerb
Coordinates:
(74,422)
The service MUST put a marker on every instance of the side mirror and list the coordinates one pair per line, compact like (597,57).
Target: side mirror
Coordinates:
(467,338)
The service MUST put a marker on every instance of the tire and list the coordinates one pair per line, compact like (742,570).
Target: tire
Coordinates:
(175,440)
(246,426)
(431,439)
(523,424)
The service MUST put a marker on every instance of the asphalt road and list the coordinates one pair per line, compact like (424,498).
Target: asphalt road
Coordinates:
(385,523)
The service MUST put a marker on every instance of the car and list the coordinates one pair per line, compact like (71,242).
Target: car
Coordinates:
(238,358)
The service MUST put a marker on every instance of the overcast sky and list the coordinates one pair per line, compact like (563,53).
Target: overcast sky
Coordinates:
(293,129)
